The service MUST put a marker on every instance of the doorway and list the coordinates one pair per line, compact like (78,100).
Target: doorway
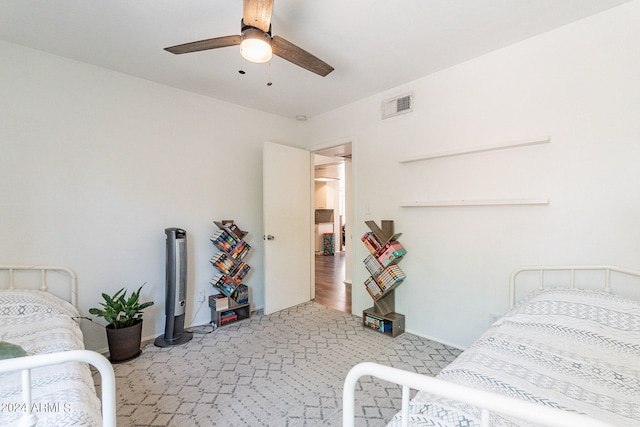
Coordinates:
(332,229)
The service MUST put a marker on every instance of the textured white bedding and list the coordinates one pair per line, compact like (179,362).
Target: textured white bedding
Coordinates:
(62,395)
(567,348)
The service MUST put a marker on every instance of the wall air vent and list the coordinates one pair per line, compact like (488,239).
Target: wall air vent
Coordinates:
(396,106)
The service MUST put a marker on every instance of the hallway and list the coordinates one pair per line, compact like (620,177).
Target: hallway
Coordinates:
(331,291)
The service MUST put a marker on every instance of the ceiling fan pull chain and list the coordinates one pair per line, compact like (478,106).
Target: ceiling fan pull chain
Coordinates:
(241,70)
(269,83)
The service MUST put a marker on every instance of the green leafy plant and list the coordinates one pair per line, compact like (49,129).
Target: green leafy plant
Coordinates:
(120,311)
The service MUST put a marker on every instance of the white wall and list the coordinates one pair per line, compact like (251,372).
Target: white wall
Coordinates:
(579,85)
(95,165)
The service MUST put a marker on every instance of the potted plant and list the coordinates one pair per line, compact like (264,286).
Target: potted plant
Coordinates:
(124,318)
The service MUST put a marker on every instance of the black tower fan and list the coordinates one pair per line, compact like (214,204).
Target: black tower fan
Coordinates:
(176,284)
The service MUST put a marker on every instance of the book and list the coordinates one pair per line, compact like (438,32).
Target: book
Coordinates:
(224,284)
(372,265)
(371,242)
(392,252)
(390,276)
(240,271)
(219,302)
(240,250)
(376,323)
(228,316)
(223,262)
(231,228)
(223,240)
(241,294)
(373,287)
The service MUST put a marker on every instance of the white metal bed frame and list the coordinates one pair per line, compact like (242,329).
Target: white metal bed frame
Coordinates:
(487,401)
(44,269)
(26,364)
(571,269)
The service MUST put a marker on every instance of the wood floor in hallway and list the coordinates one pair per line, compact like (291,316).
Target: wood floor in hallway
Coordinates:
(331,291)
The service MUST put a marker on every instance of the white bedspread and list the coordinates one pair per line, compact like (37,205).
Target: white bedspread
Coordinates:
(63,395)
(571,349)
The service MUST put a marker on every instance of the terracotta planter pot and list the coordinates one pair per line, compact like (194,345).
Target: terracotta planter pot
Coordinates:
(124,343)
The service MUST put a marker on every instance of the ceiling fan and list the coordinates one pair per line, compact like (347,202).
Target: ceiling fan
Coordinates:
(256,42)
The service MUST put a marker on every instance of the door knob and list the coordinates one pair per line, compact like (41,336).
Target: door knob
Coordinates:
(268,237)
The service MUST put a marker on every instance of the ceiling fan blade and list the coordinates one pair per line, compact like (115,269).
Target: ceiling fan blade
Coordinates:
(292,53)
(207,44)
(257,13)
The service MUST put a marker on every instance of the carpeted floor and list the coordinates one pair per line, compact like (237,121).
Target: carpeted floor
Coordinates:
(284,369)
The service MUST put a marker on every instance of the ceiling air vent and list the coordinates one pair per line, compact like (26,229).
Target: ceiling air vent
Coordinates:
(395,106)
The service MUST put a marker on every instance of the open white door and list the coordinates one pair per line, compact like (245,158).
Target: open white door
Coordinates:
(287,226)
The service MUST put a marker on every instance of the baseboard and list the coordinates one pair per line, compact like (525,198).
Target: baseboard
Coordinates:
(435,339)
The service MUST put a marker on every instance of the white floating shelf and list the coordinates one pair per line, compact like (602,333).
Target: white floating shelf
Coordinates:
(476,202)
(481,149)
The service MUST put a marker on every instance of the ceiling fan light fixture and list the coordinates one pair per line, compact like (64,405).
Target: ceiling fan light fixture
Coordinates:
(256,43)
(256,46)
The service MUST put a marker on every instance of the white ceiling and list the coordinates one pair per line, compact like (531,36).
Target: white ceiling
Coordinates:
(374,45)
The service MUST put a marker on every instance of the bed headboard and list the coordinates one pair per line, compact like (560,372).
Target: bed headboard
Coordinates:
(40,277)
(600,276)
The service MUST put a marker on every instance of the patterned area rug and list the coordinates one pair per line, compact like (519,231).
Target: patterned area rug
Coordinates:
(284,369)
